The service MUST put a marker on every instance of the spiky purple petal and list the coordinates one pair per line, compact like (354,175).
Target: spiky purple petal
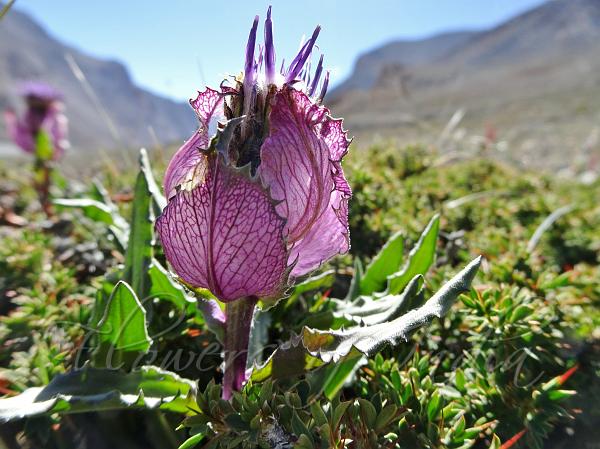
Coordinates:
(282,68)
(250,65)
(324,87)
(302,56)
(269,49)
(315,82)
(261,55)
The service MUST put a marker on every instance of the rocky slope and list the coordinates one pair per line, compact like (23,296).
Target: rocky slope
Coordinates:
(111,113)
(533,82)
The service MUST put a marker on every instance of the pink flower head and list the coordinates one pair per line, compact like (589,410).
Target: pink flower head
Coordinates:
(265,201)
(44,113)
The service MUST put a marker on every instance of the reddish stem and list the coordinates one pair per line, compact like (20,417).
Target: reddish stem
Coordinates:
(238,323)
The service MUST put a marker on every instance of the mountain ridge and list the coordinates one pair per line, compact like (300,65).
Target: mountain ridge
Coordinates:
(419,51)
(533,80)
(128,115)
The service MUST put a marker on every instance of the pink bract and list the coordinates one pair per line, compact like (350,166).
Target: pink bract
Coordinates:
(251,211)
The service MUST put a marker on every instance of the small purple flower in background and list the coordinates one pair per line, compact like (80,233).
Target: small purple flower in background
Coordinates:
(266,201)
(44,114)
(42,132)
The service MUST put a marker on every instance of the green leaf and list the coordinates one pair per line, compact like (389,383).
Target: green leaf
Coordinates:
(120,228)
(304,443)
(43,146)
(99,193)
(122,333)
(520,312)
(163,287)
(337,374)
(100,212)
(318,282)
(385,263)
(434,406)
(460,380)
(235,422)
(92,389)
(139,249)
(367,412)
(317,413)
(312,348)
(558,395)
(338,413)
(259,336)
(366,310)
(95,210)
(419,260)
(472,432)
(559,281)
(332,345)
(160,202)
(288,360)
(101,300)
(496,443)
(354,289)
(385,417)
(298,426)
(458,429)
(192,441)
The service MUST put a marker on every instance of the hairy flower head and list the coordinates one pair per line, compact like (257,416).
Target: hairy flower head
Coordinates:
(264,200)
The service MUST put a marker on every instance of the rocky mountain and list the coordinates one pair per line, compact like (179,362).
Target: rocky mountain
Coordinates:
(370,65)
(107,110)
(533,82)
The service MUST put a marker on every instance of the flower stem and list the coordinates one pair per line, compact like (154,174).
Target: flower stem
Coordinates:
(237,334)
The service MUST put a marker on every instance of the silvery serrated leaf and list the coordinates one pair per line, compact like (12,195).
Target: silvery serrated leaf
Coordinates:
(91,389)
(313,348)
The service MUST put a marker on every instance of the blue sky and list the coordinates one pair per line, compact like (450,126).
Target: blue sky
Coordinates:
(175,47)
